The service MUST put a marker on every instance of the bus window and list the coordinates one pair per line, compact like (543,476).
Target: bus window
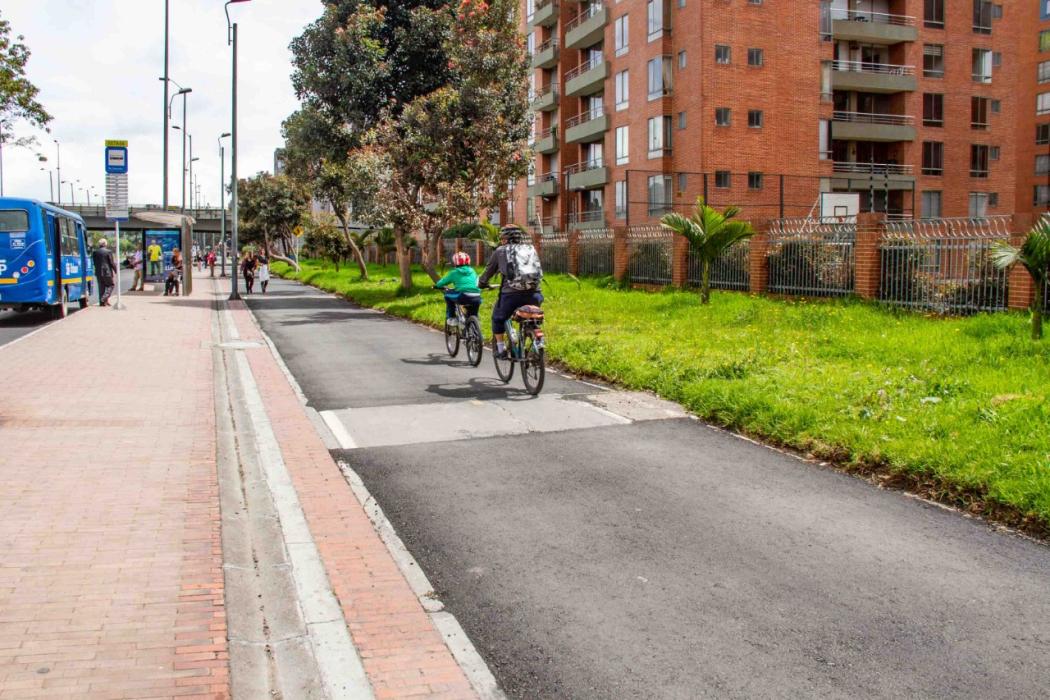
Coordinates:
(70,242)
(49,242)
(14,220)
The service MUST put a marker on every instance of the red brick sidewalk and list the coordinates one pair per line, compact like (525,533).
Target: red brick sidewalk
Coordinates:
(110,561)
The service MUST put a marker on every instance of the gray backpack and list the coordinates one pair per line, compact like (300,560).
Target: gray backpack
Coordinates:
(523,268)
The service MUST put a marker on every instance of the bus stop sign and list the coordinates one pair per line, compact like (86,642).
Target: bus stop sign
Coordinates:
(116,157)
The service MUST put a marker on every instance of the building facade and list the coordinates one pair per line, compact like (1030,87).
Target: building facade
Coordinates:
(917,107)
(1033,123)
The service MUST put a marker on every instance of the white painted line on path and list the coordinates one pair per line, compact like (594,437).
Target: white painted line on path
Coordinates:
(339,431)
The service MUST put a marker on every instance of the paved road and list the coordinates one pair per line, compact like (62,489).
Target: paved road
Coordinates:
(597,544)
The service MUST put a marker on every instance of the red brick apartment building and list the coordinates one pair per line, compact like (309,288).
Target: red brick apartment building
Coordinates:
(924,107)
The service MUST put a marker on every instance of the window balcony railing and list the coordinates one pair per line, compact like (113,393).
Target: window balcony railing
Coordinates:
(551,43)
(585,165)
(584,67)
(539,5)
(584,217)
(984,78)
(869,118)
(585,14)
(868,67)
(551,176)
(553,131)
(875,17)
(586,116)
(542,92)
(871,168)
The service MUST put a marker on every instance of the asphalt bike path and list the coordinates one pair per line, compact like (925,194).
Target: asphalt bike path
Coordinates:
(598,543)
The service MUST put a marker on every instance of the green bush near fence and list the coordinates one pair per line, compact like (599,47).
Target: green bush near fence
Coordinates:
(962,404)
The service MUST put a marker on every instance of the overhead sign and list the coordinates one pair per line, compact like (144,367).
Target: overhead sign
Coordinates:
(117,180)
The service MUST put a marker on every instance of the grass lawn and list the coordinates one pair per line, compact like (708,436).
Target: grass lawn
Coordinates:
(957,408)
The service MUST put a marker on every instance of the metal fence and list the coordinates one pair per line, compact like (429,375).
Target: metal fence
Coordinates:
(812,257)
(554,252)
(596,253)
(944,265)
(448,248)
(731,270)
(649,250)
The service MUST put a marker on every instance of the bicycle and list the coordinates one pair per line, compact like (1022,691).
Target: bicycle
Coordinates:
(468,331)
(526,346)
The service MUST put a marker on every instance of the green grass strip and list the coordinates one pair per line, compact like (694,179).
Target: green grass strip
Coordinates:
(953,407)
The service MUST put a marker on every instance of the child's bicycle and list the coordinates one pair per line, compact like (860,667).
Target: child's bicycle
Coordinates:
(467,330)
(526,346)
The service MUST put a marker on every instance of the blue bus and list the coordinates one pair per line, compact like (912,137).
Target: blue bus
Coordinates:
(44,262)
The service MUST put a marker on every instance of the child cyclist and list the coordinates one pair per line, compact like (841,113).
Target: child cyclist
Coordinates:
(464,281)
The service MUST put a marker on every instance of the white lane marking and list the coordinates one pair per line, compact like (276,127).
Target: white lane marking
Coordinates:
(339,431)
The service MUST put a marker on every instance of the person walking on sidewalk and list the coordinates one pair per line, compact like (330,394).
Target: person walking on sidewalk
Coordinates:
(138,281)
(248,270)
(105,270)
(262,270)
(210,259)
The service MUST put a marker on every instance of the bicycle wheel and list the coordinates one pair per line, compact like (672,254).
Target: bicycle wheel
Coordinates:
(505,367)
(534,366)
(474,342)
(451,339)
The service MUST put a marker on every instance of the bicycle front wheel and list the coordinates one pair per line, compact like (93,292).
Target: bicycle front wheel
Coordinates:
(504,367)
(451,339)
(474,342)
(534,365)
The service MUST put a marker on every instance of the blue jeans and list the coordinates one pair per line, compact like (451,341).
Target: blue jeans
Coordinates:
(472,302)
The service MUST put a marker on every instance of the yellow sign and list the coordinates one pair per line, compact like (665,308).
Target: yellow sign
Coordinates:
(116,144)
(298,231)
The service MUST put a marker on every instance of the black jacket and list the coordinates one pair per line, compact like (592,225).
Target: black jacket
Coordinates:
(105,265)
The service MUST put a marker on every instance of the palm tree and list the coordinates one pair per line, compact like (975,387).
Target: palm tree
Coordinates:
(1034,254)
(486,232)
(710,234)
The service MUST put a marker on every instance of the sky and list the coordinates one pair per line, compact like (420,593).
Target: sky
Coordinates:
(98,63)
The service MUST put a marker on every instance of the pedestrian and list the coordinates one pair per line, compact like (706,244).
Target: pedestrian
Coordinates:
(137,282)
(262,271)
(156,254)
(211,261)
(105,270)
(248,270)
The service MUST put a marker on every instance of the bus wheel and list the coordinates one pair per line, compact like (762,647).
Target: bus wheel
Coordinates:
(83,302)
(61,310)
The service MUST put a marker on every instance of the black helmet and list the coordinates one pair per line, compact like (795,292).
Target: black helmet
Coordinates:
(512,234)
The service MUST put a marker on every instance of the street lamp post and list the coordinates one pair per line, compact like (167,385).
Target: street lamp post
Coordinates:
(58,168)
(167,105)
(72,194)
(182,91)
(222,200)
(50,181)
(231,39)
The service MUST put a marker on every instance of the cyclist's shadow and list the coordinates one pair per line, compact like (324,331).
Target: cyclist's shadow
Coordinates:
(479,388)
(436,359)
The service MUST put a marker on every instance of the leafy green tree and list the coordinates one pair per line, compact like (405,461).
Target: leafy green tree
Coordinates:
(1034,255)
(270,209)
(710,234)
(323,239)
(17,94)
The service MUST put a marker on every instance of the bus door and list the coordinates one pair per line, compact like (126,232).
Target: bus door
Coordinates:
(72,259)
(54,262)
(86,264)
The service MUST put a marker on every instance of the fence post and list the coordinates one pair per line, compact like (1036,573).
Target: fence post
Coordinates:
(867,265)
(679,261)
(1020,285)
(572,252)
(758,260)
(479,253)
(621,254)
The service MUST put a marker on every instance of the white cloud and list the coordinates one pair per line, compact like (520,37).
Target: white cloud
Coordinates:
(97,64)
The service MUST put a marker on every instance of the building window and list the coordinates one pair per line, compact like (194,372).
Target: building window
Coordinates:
(655,16)
(978,205)
(979,112)
(620,203)
(997,59)
(978,160)
(723,116)
(622,90)
(723,54)
(993,199)
(1042,103)
(931,204)
(1042,164)
(1042,134)
(620,35)
(622,145)
(755,57)
(660,198)
(659,77)
(824,138)
(982,65)
(982,17)
(530,176)
(997,106)
(683,181)
(933,14)
(932,158)
(1044,40)
(723,179)
(1043,72)
(933,60)
(681,120)
(1041,196)
(681,60)
(754,180)
(994,152)
(932,109)
(530,210)
(659,136)
(755,118)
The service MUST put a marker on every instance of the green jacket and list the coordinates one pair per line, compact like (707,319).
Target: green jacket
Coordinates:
(462,279)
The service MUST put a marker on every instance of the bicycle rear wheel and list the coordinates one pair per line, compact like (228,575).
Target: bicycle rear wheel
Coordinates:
(451,339)
(474,341)
(504,367)
(534,366)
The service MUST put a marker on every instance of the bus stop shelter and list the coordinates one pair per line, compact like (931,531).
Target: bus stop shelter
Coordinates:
(184,224)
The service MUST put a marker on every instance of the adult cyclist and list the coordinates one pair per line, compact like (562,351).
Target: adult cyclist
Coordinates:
(518,265)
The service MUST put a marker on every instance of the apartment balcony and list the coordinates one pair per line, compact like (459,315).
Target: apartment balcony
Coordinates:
(862,126)
(592,218)
(545,14)
(857,177)
(547,141)
(546,100)
(546,54)
(587,127)
(545,186)
(586,28)
(872,77)
(587,78)
(872,27)
(588,175)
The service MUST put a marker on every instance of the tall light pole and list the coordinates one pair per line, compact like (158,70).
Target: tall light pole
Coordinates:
(193,185)
(231,39)
(50,181)
(58,168)
(167,105)
(182,91)
(222,201)
(72,194)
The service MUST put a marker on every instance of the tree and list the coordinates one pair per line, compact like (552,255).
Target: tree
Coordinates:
(17,94)
(710,234)
(323,239)
(1034,255)
(270,209)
